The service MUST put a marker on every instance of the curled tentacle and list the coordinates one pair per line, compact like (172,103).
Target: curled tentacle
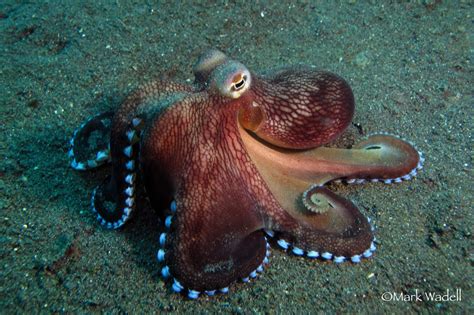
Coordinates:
(90,143)
(332,228)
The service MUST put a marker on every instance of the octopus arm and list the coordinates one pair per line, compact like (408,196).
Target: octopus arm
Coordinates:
(333,226)
(311,217)
(211,243)
(114,201)
(90,144)
(214,235)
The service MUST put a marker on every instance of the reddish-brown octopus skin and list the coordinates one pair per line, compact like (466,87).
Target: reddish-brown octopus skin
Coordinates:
(193,153)
(217,232)
(302,108)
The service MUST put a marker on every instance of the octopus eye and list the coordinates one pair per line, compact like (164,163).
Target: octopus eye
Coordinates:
(231,79)
(238,82)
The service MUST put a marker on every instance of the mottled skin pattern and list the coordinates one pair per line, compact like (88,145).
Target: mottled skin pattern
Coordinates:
(296,108)
(237,154)
(217,233)
(143,97)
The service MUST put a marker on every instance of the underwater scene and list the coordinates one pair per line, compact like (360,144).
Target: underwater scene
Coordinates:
(242,157)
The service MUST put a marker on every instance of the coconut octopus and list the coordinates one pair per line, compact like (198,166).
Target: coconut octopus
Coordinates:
(235,158)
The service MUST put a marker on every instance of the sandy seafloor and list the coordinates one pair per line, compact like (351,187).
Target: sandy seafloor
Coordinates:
(409,64)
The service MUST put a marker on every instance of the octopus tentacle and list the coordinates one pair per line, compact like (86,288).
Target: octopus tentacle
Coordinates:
(191,267)
(319,223)
(89,145)
(337,230)
(379,142)
(325,255)
(379,157)
(210,240)
(114,200)
(383,157)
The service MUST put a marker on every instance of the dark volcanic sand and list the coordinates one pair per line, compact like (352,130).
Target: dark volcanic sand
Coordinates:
(409,64)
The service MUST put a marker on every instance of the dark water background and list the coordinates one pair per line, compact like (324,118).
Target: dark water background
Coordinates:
(409,64)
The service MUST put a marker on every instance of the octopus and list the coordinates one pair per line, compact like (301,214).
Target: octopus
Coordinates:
(233,160)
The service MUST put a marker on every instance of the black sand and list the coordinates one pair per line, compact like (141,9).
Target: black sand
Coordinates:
(409,64)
